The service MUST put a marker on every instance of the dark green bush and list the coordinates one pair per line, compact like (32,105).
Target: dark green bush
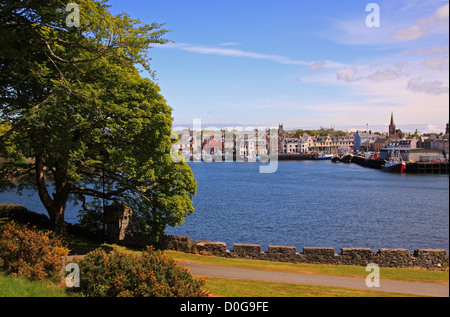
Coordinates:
(152,274)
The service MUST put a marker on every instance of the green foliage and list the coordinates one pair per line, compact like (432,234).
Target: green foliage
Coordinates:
(4,127)
(29,252)
(151,274)
(413,135)
(299,132)
(81,114)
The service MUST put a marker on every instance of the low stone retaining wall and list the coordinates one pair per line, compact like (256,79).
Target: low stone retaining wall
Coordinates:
(424,258)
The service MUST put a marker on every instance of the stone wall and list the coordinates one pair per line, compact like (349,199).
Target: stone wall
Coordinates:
(424,258)
(119,230)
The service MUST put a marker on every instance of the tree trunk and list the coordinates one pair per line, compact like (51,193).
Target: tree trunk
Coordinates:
(56,214)
(55,207)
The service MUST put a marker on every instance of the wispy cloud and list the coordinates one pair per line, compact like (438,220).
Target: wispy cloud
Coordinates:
(238,53)
(229,44)
(372,73)
(346,73)
(440,63)
(434,87)
(232,52)
(435,49)
(316,66)
(425,26)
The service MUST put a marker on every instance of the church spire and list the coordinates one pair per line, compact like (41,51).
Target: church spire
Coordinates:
(392,125)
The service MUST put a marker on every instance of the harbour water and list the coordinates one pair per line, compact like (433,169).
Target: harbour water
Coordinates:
(309,204)
(318,204)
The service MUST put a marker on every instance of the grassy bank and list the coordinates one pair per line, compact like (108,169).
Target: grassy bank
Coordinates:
(18,287)
(225,287)
(11,286)
(398,274)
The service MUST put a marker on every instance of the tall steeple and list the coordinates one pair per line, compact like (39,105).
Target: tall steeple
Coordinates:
(392,125)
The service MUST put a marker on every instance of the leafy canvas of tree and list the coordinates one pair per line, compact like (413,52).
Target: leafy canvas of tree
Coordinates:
(76,113)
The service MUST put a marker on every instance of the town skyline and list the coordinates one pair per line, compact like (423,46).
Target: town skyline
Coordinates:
(384,128)
(262,141)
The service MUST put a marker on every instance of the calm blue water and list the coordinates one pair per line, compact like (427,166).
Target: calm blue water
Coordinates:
(318,204)
(310,204)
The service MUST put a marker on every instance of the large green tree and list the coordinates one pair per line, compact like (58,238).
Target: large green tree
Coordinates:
(80,122)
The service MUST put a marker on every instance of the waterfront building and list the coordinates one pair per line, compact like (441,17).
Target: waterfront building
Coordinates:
(408,143)
(367,145)
(441,144)
(415,155)
(309,140)
(426,140)
(343,143)
(251,143)
(361,137)
(211,145)
(380,143)
(294,146)
(323,143)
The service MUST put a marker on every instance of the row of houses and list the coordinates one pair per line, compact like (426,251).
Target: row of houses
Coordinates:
(430,141)
(242,143)
(256,143)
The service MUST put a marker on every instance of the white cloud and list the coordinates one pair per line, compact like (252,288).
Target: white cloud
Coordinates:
(346,73)
(316,66)
(440,63)
(352,73)
(229,44)
(225,51)
(410,33)
(436,49)
(438,22)
(434,87)
(387,74)
(239,53)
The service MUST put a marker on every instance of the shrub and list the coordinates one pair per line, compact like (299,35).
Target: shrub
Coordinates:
(152,274)
(29,252)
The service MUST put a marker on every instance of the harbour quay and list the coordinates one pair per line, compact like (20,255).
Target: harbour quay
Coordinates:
(417,160)
(427,167)
(421,161)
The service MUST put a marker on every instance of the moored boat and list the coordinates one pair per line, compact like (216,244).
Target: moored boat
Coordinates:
(323,157)
(347,158)
(395,163)
(335,159)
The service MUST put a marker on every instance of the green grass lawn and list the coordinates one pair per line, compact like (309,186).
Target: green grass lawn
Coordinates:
(224,287)
(11,286)
(19,287)
(398,274)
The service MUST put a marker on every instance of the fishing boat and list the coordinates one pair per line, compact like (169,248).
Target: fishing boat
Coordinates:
(323,157)
(395,163)
(347,158)
(336,159)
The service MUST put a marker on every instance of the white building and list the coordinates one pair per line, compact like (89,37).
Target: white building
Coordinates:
(294,146)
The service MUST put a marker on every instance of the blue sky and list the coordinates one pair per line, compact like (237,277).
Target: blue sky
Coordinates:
(305,64)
